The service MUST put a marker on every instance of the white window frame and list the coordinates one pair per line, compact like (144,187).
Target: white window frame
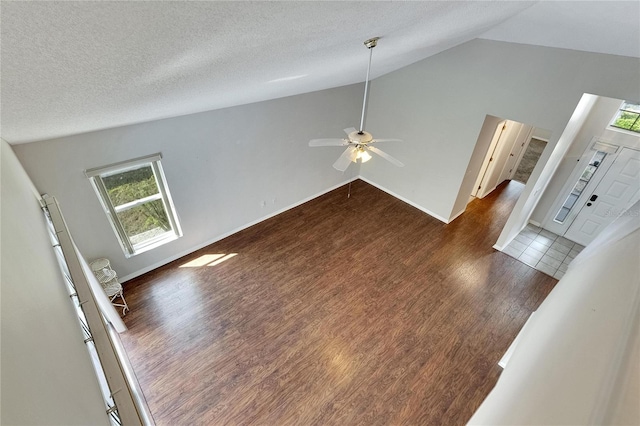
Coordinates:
(618,114)
(95,176)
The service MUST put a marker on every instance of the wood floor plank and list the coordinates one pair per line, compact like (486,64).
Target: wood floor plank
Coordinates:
(359,310)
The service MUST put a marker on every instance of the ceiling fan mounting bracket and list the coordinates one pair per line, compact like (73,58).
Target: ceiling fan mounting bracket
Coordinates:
(361,137)
(372,42)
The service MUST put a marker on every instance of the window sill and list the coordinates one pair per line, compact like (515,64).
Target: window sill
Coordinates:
(150,245)
(623,131)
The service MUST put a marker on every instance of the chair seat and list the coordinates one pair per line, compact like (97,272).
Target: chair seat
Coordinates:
(111,287)
(105,275)
(108,279)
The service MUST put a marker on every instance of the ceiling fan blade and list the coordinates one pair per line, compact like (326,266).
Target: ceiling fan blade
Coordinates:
(385,156)
(345,159)
(350,130)
(327,142)
(386,140)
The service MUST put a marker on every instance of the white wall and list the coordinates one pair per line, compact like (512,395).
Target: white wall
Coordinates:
(46,373)
(220,167)
(541,134)
(438,106)
(595,125)
(576,361)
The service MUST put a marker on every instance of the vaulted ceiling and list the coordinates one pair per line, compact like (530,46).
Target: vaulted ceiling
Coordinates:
(74,67)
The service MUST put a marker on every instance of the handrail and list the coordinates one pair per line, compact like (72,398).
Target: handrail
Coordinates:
(127,369)
(129,408)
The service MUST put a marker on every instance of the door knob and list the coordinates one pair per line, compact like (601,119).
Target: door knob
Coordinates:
(589,204)
(593,197)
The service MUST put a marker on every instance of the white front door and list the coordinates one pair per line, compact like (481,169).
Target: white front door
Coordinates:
(618,190)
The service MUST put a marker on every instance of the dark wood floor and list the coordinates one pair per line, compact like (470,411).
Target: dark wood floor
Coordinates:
(341,311)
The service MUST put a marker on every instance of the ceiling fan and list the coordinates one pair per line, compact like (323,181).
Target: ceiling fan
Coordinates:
(359,142)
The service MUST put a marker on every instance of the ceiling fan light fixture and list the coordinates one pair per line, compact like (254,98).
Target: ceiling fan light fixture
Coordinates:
(363,155)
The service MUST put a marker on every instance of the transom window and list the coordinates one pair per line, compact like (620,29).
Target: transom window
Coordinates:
(136,200)
(628,117)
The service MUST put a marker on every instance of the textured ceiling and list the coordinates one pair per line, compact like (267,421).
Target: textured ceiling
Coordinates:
(611,27)
(74,67)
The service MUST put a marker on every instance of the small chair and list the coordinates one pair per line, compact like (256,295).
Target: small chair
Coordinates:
(108,279)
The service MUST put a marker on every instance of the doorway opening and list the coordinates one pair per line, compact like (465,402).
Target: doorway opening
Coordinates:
(594,178)
(512,152)
(551,180)
(532,153)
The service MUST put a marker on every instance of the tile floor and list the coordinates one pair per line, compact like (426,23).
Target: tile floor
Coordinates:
(543,250)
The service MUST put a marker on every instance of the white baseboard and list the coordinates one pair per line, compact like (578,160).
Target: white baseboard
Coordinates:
(455,216)
(505,358)
(411,203)
(502,247)
(282,210)
(233,231)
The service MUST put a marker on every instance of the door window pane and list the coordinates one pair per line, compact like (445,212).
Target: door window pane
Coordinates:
(562,215)
(579,186)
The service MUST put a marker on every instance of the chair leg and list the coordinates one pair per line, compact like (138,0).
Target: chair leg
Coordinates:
(126,307)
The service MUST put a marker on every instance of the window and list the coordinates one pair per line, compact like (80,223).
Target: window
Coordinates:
(136,199)
(578,188)
(628,117)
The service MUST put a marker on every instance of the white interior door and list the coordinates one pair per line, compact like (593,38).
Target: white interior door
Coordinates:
(481,186)
(517,150)
(618,189)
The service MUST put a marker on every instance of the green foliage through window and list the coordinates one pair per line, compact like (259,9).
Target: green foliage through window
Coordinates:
(137,202)
(131,185)
(148,217)
(628,117)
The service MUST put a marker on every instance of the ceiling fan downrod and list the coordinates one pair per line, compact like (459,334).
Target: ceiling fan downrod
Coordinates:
(371,43)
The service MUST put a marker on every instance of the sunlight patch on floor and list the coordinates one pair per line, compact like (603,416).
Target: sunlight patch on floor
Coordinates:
(208,260)
(222,259)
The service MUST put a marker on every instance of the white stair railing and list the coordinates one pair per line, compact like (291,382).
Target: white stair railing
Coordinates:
(125,404)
